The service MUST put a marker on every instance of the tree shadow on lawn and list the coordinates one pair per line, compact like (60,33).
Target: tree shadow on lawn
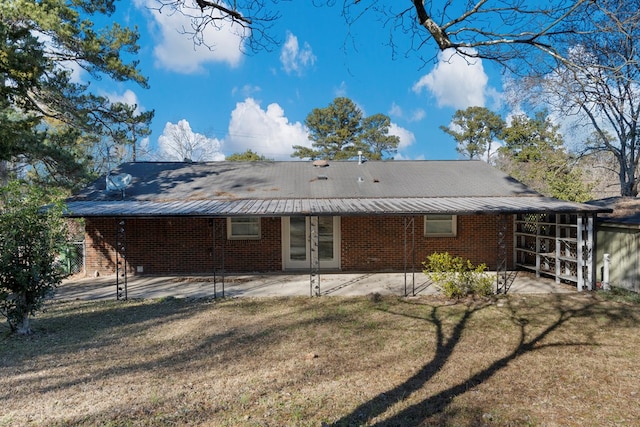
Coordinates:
(100,327)
(102,324)
(433,407)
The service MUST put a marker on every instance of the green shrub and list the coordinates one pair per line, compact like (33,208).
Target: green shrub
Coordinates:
(457,277)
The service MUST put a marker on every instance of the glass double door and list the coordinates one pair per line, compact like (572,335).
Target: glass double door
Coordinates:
(296,242)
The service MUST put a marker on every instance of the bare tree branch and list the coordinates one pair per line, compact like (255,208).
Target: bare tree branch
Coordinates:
(233,13)
(250,20)
(599,87)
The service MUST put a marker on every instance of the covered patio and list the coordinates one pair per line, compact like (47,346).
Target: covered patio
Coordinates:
(280,285)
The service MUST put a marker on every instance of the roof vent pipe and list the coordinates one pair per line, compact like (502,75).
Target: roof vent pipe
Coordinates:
(359,157)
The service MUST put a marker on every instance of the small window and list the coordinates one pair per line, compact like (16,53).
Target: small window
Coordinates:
(440,225)
(243,228)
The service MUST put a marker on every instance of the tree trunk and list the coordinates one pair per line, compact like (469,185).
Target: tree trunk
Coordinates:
(4,173)
(24,327)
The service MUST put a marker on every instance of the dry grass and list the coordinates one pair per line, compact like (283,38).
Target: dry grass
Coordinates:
(570,360)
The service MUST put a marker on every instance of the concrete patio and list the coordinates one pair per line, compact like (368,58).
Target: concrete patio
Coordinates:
(278,285)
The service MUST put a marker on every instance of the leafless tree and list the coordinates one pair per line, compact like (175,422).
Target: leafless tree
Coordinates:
(601,92)
(180,143)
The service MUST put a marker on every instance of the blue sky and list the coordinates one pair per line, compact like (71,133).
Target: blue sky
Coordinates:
(259,101)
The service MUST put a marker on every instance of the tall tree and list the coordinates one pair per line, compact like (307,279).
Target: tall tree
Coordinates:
(334,130)
(30,239)
(339,131)
(600,89)
(474,130)
(43,113)
(533,153)
(375,141)
(131,126)
(247,156)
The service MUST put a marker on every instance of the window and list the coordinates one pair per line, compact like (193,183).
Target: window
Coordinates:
(243,228)
(440,225)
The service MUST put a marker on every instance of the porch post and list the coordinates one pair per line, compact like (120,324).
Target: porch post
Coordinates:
(501,258)
(314,256)
(409,252)
(121,259)
(580,259)
(589,253)
(214,255)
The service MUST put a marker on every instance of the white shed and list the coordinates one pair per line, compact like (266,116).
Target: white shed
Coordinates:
(618,234)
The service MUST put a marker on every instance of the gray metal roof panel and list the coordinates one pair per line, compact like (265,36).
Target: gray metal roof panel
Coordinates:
(299,188)
(344,207)
(622,210)
(165,181)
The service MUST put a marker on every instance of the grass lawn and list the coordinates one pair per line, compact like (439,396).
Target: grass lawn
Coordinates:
(553,360)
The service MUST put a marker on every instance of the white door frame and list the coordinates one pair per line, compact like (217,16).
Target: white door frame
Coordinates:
(325,264)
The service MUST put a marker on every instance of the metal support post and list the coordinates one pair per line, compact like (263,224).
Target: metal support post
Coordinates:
(121,259)
(314,258)
(409,253)
(501,258)
(538,246)
(214,237)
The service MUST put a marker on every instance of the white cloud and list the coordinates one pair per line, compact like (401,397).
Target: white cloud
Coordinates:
(128,97)
(179,142)
(176,50)
(417,115)
(455,81)
(293,58)
(396,110)
(246,91)
(406,136)
(77,72)
(266,132)
(341,91)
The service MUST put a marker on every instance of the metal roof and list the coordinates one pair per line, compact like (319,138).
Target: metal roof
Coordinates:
(342,207)
(623,210)
(299,188)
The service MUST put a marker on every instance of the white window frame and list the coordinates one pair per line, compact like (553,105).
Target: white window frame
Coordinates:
(245,219)
(453,220)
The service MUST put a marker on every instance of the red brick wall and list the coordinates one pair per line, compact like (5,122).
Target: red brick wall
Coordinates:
(184,245)
(378,242)
(181,245)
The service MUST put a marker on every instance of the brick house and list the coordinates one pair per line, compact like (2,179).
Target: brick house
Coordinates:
(167,218)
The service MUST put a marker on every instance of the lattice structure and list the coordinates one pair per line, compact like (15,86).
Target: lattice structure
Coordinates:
(121,259)
(557,245)
(409,255)
(314,258)
(585,252)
